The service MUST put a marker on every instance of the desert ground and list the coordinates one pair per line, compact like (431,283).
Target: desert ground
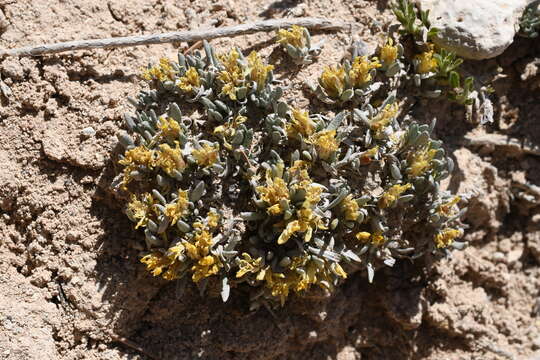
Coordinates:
(72,286)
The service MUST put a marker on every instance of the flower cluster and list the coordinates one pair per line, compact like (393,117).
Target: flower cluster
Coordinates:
(297,43)
(239,187)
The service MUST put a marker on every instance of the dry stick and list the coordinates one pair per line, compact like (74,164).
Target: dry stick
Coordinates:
(177,36)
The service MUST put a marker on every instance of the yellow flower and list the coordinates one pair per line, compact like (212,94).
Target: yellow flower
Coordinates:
(232,77)
(162,72)
(229,129)
(384,117)
(333,81)
(173,254)
(427,62)
(207,155)
(376,239)
(363,236)
(420,161)
(326,143)
(258,70)
(205,267)
(178,209)
(368,155)
(190,81)
(141,209)
(248,265)
(360,70)
(306,222)
(294,37)
(169,159)
(139,155)
(301,124)
(205,264)
(169,127)
(389,53)
(446,237)
(155,262)
(390,196)
(212,219)
(350,208)
(273,193)
(339,270)
(446,208)
(299,169)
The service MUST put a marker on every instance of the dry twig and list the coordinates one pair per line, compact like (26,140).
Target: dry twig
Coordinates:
(178,36)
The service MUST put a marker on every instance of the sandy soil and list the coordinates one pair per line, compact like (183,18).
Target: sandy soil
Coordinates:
(71,286)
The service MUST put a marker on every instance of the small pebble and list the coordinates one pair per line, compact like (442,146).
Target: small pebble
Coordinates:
(498,256)
(88,132)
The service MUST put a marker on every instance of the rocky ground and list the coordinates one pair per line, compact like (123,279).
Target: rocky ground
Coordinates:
(71,286)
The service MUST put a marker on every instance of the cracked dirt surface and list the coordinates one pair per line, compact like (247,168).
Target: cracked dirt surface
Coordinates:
(71,286)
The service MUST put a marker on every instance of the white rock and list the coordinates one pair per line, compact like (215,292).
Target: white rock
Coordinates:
(88,132)
(475,29)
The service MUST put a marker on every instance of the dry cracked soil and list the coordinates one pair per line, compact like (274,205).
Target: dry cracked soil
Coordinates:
(71,285)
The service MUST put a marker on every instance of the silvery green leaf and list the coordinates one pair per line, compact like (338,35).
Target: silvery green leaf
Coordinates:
(363,200)
(307,156)
(432,94)
(158,196)
(212,114)
(334,224)
(349,254)
(405,198)
(152,226)
(181,60)
(282,109)
(377,225)
(248,138)
(449,164)
(459,245)
(197,192)
(207,103)
(221,106)
(276,137)
(162,181)
(295,156)
(133,101)
(177,175)
(389,262)
(151,239)
(285,261)
(241,93)
(395,172)
(364,250)
(253,216)
(238,138)
(146,134)
(339,198)
(130,121)
(347,95)
(422,139)
(125,140)
(336,122)
(183,226)
(393,69)
(371,272)
(404,251)
(225,289)
(136,175)
(417,80)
